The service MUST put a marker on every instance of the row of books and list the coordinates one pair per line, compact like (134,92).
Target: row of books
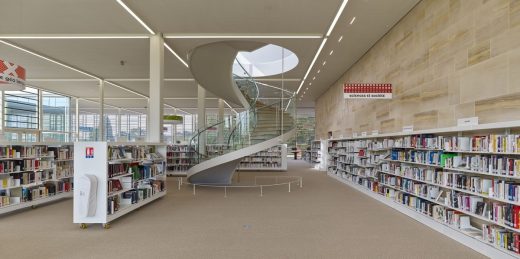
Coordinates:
(179,161)
(260,165)
(178,168)
(62,153)
(494,188)
(22,151)
(24,165)
(261,160)
(178,148)
(491,164)
(129,152)
(173,155)
(19,179)
(143,191)
(416,156)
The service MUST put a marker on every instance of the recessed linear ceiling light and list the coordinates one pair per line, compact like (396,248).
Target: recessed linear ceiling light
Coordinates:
(332,51)
(172,107)
(126,89)
(135,16)
(336,18)
(312,63)
(49,59)
(77,36)
(353,19)
(238,36)
(176,55)
(338,14)
(340,38)
(313,78)
(324,62)
(319,70)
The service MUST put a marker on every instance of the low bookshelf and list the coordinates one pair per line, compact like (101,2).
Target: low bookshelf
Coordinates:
(462,181)
(179,159)
(34,173)
(114,179)
(271,159)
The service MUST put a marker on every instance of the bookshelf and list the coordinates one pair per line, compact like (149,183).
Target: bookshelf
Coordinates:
(213,150)
(271,159)
(318,159)
(463,181)
(34,174)
(114,179)
(179,158)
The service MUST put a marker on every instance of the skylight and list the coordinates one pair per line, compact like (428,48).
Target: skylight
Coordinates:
(266,61)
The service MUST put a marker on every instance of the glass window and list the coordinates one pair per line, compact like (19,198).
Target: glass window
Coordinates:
(111,127)
(56,117)
(21,109)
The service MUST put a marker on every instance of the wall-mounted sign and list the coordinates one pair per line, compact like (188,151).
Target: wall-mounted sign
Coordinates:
(12,76)
(172,119)
(408,128)
(89,152)
(471,121)
(367,91)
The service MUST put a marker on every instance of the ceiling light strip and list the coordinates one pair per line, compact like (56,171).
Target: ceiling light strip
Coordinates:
(49,59)
(74,36)
(176,55)
(62,80)
(312,63)
(135,16)
(239,36)
(336,18)
(172,107)
(126,89)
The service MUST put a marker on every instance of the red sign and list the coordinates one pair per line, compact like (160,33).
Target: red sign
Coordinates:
(89,152)
(367,91)
(12,76)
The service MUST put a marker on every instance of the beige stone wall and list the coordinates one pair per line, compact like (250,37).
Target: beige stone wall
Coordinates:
(447,59)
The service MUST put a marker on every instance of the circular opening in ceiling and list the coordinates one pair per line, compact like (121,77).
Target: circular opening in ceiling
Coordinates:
(268,60)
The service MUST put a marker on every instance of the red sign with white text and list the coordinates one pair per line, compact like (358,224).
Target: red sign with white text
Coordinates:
(12,74)
(367,91)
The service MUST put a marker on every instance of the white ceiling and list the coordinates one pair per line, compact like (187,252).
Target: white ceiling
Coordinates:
(102,57)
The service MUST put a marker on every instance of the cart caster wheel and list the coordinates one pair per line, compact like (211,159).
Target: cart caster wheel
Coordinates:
(83,226)
(106,226)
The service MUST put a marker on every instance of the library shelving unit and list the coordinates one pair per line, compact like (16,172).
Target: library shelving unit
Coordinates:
(213,150)
(34,173)
(271,159)
(318,158)
(462,181)
(179,158)
(114,179)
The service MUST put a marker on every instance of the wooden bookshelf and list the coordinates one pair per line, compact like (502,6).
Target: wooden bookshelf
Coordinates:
(34,173)
(463,182)
(271,159)
(114,179)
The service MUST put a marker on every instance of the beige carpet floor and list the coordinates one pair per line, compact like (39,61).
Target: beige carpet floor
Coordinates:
(324,219)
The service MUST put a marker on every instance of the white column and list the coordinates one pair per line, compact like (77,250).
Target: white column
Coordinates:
(40,116)
(118,124)
(76,126)
(155,102)
(201,117)
(101,135)
(220,129)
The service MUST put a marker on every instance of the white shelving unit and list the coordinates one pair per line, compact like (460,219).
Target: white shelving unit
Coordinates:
(271,159)
(319,155)
(34,173)
(179,158)
(463,181)
(114,179)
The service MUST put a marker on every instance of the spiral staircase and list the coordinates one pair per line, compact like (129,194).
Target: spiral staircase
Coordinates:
(260,126)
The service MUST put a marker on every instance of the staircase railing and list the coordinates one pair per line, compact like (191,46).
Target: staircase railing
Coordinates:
(243,129)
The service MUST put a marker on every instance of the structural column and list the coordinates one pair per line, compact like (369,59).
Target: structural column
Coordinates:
(155,103)
(220,130)
(201,118)
(76,126)
(101,134)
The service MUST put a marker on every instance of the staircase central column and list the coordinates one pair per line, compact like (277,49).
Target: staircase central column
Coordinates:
(201,117)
